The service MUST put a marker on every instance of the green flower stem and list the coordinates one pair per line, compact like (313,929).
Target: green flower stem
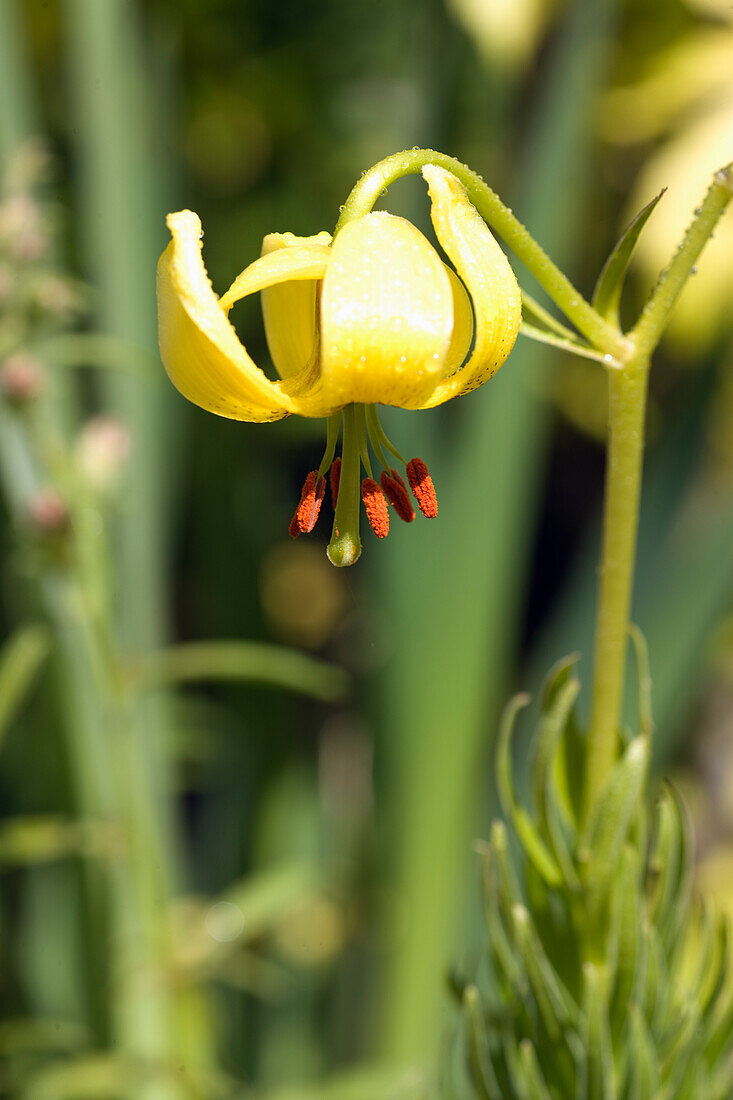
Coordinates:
(627,393)
(601,334)
(627,407)
(345,545)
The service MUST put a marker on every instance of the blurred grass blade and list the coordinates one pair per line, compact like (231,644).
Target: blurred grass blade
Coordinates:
(607,293)
(255,662)
(117,119)
(17,98)
(23,1037)
(453,607)
(85,349)
(364,1083)
(21,659)
(28,840)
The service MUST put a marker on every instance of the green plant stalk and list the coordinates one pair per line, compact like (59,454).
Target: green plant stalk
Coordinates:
(459,644)
(17,106)
(109,784)
(627,406)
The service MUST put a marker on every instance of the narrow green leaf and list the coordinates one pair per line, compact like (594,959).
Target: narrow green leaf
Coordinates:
(607,294)
(625,948)
(644,680)
(554,1003)
(536,1087)
(256,662)
(672,862)
(482,1068)
(611,818)
(715,981)
(683,1053)
(499,945)
(600,1076)
(20,662)
(532,843)
(543,319)
(585,351)
(551,729)
(643,1069)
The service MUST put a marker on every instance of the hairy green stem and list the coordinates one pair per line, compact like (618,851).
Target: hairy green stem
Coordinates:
(627,393)
(627,407)
(628,384)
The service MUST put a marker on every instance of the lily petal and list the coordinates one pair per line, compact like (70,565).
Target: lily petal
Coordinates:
(289,308)
(462,324)
(199,348)
(485,271)
(386,314)
(294,258)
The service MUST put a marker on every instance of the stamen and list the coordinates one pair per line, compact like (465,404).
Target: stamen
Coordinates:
(294,528)
(422,487)
(334,478)
(375,507)
(396,493)
(311,499)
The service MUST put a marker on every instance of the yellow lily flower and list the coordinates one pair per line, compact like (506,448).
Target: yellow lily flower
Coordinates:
(373,316)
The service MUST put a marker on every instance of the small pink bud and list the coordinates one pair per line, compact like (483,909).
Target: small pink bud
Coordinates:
(103,448)
(48,512)
(21,379)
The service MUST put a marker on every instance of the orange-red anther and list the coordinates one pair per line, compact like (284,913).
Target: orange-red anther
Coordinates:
(307,511)
(334,478)
(422,487)
(396,493)
(375,506)
(294,528)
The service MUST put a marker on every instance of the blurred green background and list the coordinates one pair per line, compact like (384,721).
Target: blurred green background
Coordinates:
(239,787)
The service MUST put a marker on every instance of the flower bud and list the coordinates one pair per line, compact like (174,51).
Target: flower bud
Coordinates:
(102,448)
(22,232)
(48,513)
(21,379)
(55,294)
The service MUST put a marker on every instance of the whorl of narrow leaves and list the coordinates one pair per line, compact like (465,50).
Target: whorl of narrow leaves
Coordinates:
(606,980)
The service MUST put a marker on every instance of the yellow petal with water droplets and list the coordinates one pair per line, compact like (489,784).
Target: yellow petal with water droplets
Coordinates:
(301,258)
(386,314)
(486,273)
(200,349)
(289,308)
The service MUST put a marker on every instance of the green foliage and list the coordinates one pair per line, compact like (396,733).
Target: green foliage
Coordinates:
(607,978)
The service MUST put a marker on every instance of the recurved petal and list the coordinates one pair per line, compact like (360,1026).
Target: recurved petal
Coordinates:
(199,348)
(289,308)
(485,271)
(386,314)
(294,258)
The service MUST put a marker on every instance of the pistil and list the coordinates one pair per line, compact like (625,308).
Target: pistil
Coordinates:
(345,545)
